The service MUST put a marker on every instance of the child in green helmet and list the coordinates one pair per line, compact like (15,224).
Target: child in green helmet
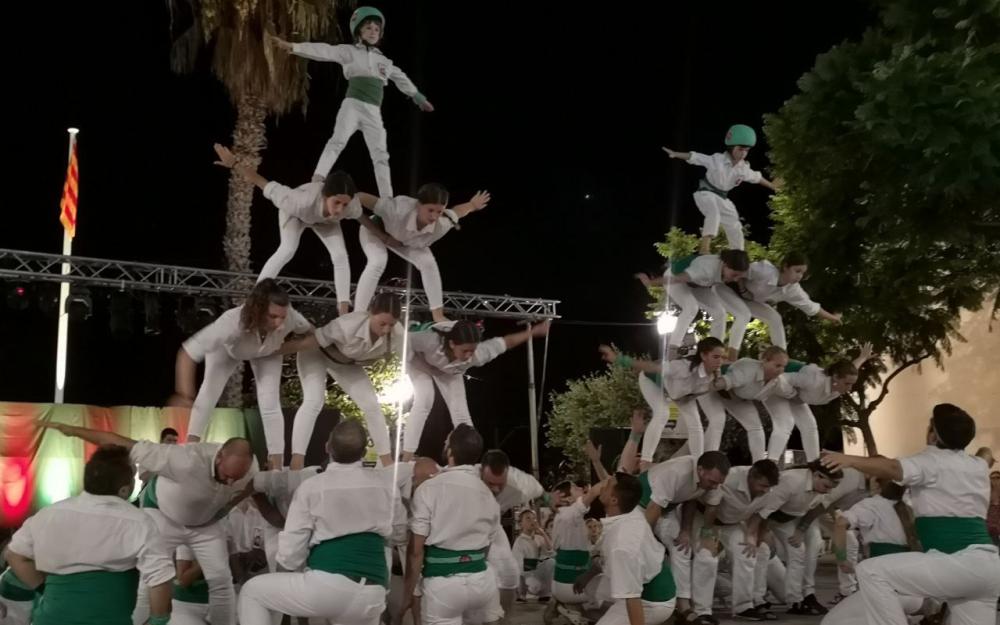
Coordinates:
(367,70)
(724,171)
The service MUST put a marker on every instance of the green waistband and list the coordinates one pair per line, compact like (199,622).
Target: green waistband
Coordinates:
(570,564)
(647,490)
(883,549)
(681,265)
(794,365)
(197,592)
(354,556)
(147,498)
(661,588)
(530,564)
(89,598)
(440,562)
(705,185)
(366,88)
(781,517)
(13,588)
(951,534)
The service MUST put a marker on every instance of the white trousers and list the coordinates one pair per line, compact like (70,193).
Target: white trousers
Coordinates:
(709,439)
(420,257)
(473,597)
(452,387)
(219,367)
(18,612)
(657,402)
(564,593)
(310,594)
(749,572)
(851,611)
(786,414)
(353,115)
(653,613)
(801,561)
(720,211)
(691,300)
(290,229)
(745,412)
(694,577)
(313,367)
(185,613)
(209,546)
(847,583)
(743,310)
(502,562)
(539,582)
(968,580)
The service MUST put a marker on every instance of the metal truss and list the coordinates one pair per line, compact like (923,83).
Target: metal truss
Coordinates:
(35,266)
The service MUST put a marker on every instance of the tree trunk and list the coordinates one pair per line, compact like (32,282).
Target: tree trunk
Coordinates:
(248,141)
(864,424)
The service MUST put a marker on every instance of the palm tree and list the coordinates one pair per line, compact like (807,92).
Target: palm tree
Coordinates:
(261,81)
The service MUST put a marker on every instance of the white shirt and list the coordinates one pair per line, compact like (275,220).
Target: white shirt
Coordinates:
(853,487)
(281,485)
(762,283)
(94,533)
(307,204)
(946,482)
(569,529)
(226,333)
(351,335)
(526,547)
(745,379)
(631,554)
(187,492)
(812,385)
(399,216)
(455,510)
(722,173)
(683,382)
(676,481)
(704,270)
(736,504)
(521,489)
(793,495)
(876,519)
(345,499)
(358,60)
(429,346)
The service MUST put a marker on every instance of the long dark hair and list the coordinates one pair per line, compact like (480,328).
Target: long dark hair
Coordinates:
(737,260)
(841,369)
(462,332)
(255,307)
(704,346)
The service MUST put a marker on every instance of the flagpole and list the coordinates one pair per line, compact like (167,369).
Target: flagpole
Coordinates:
(63,337)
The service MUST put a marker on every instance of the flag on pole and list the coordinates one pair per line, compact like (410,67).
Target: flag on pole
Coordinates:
(67,207)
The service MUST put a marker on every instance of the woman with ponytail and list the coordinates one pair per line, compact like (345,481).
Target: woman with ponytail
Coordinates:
(343,348)
(440,356)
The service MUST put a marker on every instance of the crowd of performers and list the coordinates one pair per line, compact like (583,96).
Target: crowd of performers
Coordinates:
(353,544)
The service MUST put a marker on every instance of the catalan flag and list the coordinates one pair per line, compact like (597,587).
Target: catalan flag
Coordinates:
(67,207)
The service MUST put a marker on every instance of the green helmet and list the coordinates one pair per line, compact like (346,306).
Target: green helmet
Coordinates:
(361,14)
(741,135)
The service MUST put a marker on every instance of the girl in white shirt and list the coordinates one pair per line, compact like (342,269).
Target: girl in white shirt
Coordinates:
(724,172)
(367,71)
(343,348)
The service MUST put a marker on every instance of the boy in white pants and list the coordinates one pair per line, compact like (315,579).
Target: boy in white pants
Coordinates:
(665,488)
(337,527)
(641,583)
(367,71)
(453,521)
(950,494)
(724,172)
(413,225)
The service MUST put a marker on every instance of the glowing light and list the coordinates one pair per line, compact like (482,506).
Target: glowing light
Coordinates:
(399,392)
(15,489)
(666,322)
(55,480)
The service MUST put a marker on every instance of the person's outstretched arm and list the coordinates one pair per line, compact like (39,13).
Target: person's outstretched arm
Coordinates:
(477,203)
(97,437)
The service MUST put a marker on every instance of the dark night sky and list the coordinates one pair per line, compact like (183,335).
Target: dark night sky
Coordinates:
(541,105)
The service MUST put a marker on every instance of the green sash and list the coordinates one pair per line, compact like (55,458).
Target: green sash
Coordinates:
(661,588)
(647,490)
(793,366)
(197,592)
(883,549)
(705,185)
(365,88)
(951,534)
(89,598)
(530,564)
(354,556)
(13,588)
(440,562)
(680,265)
(147,498)
(570,564)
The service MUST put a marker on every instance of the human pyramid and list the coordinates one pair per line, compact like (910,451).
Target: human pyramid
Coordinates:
(354,545)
